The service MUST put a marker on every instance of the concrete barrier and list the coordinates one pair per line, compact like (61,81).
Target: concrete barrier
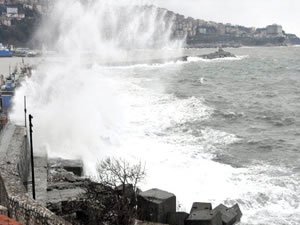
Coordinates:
(204,217)
(177,218)
(155,204)
(229,215)
(197,206)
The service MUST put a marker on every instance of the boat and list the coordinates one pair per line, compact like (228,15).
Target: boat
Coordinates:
(7,90)
(4,52)
(25,52)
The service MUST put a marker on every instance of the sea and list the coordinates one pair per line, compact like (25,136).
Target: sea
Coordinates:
(221,131)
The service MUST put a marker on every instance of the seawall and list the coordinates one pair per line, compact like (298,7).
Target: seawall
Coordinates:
(14,173)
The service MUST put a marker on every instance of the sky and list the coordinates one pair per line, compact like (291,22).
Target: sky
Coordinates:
(251,13)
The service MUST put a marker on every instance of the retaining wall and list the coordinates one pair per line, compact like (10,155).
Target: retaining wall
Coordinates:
(14,171)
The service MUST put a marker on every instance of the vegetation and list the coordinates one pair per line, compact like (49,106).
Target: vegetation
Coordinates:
(113,200)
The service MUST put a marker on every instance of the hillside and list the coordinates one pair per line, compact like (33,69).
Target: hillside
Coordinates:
(18,23)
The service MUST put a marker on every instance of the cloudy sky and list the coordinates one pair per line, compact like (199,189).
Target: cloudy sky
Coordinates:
(257,13)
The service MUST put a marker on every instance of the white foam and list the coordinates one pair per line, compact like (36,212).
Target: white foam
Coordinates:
(199,59)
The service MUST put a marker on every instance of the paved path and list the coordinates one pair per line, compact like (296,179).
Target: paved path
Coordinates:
(5,139)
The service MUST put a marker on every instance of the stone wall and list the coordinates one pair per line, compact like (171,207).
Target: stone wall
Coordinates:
(14,170)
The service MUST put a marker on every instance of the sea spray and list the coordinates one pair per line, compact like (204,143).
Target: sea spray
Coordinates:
(83,108)
(77,107)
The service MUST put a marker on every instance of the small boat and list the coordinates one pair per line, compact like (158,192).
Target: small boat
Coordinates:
(7,90)
(4,52)
(25,52)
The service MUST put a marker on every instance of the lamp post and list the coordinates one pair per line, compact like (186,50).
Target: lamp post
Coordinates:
(25,111)
(31,150)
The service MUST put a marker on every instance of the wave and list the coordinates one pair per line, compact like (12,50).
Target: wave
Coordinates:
(190,59)
(147,65)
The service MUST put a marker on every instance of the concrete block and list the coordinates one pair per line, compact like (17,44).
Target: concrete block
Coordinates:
(204,217)
(229,215)
(200,206)
(177,218)
(155,204)
(138,222)
(238,211)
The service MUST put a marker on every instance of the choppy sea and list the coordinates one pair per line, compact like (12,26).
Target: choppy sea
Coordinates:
(223,130)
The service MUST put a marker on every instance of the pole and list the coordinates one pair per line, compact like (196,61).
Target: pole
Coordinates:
(31,149)
(25,111)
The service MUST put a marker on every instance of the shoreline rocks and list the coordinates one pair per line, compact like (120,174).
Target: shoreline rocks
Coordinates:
(159,206)
(218,55)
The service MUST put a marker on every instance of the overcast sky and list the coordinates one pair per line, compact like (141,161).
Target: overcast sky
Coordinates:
(252,13)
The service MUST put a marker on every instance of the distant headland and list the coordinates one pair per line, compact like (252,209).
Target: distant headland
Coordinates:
(20,18)
(200,33)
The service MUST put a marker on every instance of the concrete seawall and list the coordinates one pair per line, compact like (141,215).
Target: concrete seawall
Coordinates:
(14,172)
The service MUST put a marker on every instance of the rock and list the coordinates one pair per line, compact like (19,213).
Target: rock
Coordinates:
(229,215)
(177,218)
(200,206)
(204,217)
(218,54)
(54,207)
(57,175)
(155,204)
(75,166)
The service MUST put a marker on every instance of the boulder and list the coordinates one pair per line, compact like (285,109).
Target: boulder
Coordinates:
(177,218)
(155,204)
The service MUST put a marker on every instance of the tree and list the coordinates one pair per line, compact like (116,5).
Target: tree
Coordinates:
(113,199)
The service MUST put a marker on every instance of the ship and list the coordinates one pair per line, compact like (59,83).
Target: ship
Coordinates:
(4,52)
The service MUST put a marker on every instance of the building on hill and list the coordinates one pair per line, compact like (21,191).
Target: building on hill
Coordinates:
(274,29)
